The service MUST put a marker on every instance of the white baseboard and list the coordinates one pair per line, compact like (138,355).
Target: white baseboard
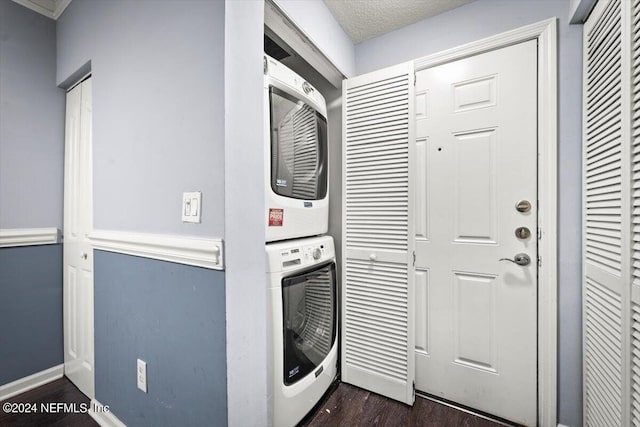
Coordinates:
(103,415)
(11,237)
(200,252)
(562,425)
(16,387)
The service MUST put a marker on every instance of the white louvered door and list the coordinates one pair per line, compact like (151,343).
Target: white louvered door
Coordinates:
(607,199)
(377,278)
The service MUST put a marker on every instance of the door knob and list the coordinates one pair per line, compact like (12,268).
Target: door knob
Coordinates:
(520,259)
(373,257)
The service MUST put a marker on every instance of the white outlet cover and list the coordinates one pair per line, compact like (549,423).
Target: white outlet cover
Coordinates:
(191,206)
(141,374)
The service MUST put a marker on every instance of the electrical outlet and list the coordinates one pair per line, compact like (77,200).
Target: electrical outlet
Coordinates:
(142,375)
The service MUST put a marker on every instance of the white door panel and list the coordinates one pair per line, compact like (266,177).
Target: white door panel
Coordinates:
(78,252)
(377,280)
(476,327)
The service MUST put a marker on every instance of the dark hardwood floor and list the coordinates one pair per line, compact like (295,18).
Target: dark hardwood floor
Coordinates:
(349,406)
(46,398)
(344,406)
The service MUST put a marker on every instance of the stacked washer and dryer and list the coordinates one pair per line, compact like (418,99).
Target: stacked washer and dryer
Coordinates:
(300,258)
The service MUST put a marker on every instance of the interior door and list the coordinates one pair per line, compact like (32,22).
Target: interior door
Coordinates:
(476,266)
(377,276)
(78,253)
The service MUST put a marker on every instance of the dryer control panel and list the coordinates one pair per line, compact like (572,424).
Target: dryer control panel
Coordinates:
(300,253)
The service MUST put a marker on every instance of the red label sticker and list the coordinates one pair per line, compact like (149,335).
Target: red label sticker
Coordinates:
(275,217)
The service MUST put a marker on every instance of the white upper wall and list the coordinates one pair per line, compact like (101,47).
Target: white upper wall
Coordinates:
(317,22)
(158,108)
(31,121)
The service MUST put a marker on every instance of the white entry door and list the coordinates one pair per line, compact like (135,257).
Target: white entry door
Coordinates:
(78,253)
(476,327)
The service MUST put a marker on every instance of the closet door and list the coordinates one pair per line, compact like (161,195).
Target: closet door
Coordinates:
(377,278)
(606,216)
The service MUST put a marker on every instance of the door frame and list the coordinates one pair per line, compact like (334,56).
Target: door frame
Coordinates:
(545,32)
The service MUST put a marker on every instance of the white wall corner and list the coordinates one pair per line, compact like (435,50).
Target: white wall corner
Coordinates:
(102,415)
(30,382)
(11,237)
(196,251)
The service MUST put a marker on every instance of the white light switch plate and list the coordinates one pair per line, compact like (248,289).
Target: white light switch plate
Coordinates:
(191,206)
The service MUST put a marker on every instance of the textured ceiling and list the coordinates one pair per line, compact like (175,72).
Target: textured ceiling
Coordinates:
(365,19)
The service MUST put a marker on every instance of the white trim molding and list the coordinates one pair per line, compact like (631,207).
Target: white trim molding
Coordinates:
(545,32)
(10,237)
(196,251)
(102,415)
(30,382)
(49,8)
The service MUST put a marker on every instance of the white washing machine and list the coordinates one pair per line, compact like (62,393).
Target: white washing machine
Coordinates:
(296,155)
(303,325)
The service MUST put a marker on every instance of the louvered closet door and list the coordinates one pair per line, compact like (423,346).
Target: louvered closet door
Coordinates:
(377,288)
(606,198)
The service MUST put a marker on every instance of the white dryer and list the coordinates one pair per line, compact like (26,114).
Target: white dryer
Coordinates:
(296,155)
(303,325)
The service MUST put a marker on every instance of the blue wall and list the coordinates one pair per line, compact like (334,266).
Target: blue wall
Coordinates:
(483,18)
(31,120)
(172,316)
(30,310)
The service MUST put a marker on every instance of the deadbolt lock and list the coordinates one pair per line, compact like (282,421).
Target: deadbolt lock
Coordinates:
(523,206)
(523,233)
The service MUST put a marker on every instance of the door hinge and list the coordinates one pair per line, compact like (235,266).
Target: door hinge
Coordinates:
(539,261)
(539,233)
(414,258)
(415,78)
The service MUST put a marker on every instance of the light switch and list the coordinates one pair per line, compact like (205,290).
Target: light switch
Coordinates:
(194,207)
(191,206)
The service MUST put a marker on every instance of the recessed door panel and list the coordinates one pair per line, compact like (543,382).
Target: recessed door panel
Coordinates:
(422,311)
(422,189)
(474,305)
(475,204)
(474,94)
